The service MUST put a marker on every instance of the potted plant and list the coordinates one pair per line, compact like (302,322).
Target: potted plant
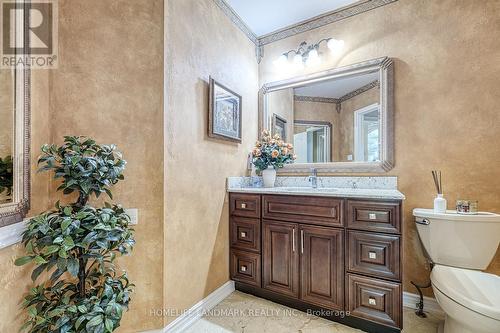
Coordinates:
(77,244)
(269,154)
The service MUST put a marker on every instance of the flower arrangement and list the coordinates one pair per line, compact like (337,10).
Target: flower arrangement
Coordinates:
(271,150)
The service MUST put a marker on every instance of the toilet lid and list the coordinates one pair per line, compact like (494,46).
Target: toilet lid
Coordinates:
(475,290)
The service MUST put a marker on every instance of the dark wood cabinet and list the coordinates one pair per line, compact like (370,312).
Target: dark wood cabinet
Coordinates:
(374,216)
(374,299)
(281,257)
(325,253)
(373,254)
(322,266)
(314,210)
(244,233)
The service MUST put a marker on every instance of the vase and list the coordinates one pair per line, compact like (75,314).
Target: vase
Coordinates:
(269,176)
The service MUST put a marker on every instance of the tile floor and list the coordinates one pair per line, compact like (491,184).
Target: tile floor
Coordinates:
(243,313)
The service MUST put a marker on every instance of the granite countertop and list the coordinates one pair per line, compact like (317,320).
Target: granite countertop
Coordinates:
(346,187)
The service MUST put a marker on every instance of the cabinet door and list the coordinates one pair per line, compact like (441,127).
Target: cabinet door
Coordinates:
(280,255)
(322,266)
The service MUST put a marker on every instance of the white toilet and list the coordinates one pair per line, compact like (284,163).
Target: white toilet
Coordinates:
(460,246)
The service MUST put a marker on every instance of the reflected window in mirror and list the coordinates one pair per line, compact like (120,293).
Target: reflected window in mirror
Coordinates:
(312,141)
(366,134)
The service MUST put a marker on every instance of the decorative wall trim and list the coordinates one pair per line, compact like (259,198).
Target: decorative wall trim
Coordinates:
(430,304)
(359,91)
(312,23)
(236,19)
(192,315)
(324,19)
(11,234)
(315,99)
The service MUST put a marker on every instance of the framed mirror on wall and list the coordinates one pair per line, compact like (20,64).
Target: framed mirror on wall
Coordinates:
(15,104)
(340,120)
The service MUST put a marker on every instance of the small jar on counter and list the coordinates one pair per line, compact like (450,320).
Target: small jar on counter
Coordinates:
(467,207)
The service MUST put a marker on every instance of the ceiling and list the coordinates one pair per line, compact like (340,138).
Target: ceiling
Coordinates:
(266,16)
(336,88)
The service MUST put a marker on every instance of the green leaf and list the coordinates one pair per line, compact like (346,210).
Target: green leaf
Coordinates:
(73,267)
(94,322)
(82,308)
(62,253)
(66,223)
(39,260)
(67,210)
(32,311)
(50,249)
(109,325)
(23,260)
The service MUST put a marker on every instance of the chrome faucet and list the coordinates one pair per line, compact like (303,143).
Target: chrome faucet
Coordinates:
(313,178)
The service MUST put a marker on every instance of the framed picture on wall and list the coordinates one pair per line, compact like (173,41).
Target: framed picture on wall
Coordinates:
(224,115)
(279,126)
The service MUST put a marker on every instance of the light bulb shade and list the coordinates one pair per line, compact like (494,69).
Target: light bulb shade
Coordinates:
(297,59)
(335,45)
(281,60)
(313,54)
(312,58)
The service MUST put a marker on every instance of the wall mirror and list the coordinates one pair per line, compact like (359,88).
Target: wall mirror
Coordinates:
(339,120)
(15,135)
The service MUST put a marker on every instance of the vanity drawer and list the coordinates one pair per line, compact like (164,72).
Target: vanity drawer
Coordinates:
(377,216)
(314,210)
(374,254)
(245,267)
(245,233)
(375,300)
(245,205)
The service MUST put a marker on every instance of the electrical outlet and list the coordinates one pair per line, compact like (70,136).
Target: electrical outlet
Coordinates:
(134,215)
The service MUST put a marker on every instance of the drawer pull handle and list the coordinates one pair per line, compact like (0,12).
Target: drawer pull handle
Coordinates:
(243,268)
(243,234)
(293,240)
(372,216)
(372,255)
(372,301)
(301,241)
(243,205)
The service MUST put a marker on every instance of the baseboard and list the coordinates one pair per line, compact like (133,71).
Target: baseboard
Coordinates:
(430,304)
(189,317)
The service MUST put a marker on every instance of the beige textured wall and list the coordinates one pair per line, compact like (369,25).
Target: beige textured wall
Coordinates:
(109,86)
(446,98)
(316,111)
(15,281)
(281,102)
(347,119)
(205,42)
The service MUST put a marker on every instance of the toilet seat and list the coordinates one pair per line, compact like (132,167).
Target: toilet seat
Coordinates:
(475,290)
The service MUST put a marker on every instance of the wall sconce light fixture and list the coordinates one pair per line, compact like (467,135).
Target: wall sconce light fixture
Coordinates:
(308,55)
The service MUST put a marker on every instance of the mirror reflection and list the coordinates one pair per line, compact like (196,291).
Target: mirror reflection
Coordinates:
(334,120)
(6,134)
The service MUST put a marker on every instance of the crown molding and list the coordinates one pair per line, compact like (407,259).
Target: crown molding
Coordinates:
(359,91)
(315,99)
(310,24)
(323,19)
(236,19)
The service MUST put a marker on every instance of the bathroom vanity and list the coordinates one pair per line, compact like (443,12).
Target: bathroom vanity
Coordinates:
(335,252)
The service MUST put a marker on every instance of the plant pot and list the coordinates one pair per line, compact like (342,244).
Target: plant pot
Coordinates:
(269,176)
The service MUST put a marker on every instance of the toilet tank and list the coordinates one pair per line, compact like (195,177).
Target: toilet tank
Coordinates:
(466,241)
